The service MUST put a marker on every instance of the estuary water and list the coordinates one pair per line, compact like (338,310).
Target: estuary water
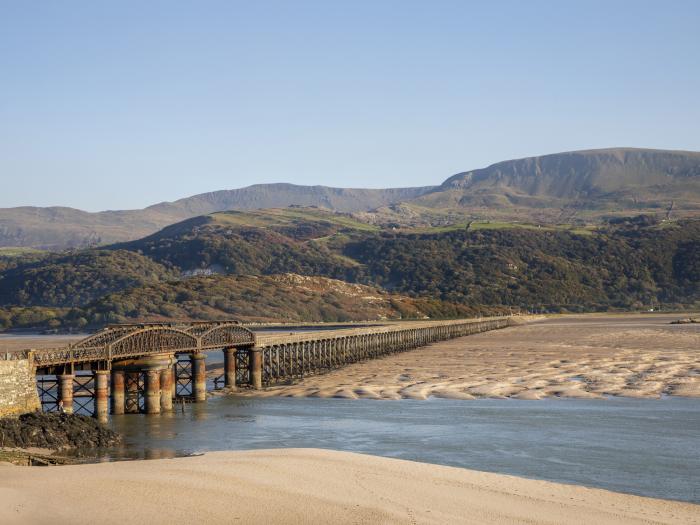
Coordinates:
(645,447)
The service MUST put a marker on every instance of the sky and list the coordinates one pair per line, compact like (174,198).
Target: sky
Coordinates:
(118,105)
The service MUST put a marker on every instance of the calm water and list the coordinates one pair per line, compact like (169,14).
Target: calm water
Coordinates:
(646,447)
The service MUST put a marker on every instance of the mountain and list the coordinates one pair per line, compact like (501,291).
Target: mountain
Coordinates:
(264,196)
(590,183)
(59,228)
(580,187)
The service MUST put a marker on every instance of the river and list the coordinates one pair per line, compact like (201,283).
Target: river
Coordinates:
(645,447)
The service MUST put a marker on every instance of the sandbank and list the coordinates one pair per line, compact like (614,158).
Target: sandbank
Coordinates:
(308,486)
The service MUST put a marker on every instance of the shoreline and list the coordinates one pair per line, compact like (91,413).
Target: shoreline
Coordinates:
(311,486)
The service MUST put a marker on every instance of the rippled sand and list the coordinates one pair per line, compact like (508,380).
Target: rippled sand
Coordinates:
(584,356)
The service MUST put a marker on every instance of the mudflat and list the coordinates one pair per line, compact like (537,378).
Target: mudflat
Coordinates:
(586,356)
(308,486)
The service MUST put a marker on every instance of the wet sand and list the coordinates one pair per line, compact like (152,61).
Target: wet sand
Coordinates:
(308,486)
(587,356)
(12,342)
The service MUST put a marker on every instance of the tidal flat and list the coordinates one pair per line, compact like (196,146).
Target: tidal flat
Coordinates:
(577,356)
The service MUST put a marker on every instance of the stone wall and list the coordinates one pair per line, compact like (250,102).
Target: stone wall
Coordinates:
(17,388)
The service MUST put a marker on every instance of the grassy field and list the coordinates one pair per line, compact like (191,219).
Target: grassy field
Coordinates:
(290,216)
(502,225)
(9,251)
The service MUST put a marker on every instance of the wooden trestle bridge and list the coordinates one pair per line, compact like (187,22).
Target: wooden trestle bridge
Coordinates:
(145,367)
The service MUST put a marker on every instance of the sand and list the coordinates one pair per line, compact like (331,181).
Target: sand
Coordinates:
(308,486)
(587,356)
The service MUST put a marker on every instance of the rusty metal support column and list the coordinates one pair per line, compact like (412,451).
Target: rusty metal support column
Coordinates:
(255,367)
(101,395)
(229,367)
(117,391)
(166,389)
(199,377)
(152,388)
(132,393)
(65,392)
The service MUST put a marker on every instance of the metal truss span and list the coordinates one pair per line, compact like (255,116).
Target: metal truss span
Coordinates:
(137,340)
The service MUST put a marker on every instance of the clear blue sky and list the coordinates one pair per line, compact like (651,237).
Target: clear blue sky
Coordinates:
(112,105)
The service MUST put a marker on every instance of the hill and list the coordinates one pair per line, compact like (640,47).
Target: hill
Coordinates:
(74,279)
(292,240)
(226,263)
(285,298)
(59,228)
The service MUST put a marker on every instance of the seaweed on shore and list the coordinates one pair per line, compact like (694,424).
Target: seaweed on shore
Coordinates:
(56,432)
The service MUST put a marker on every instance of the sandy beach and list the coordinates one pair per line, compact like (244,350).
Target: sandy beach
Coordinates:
(308,486)
(587,356)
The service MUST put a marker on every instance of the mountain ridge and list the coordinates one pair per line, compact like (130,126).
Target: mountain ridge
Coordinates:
(584,186)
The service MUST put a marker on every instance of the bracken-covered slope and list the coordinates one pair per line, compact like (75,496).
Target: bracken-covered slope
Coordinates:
(222,264)
(285,297)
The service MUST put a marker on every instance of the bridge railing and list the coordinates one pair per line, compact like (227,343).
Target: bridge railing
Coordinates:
(294,360)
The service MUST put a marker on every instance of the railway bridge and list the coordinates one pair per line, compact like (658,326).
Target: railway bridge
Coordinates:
(143,368)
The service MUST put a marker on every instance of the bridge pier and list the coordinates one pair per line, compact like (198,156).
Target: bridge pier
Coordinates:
(152,388)
(255,367)
(166,389)
(199,377)
(229,367)
(101,395)
(118,398)
(65,392)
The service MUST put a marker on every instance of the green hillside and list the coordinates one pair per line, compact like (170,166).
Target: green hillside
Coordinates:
(228,264)
(75,278)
